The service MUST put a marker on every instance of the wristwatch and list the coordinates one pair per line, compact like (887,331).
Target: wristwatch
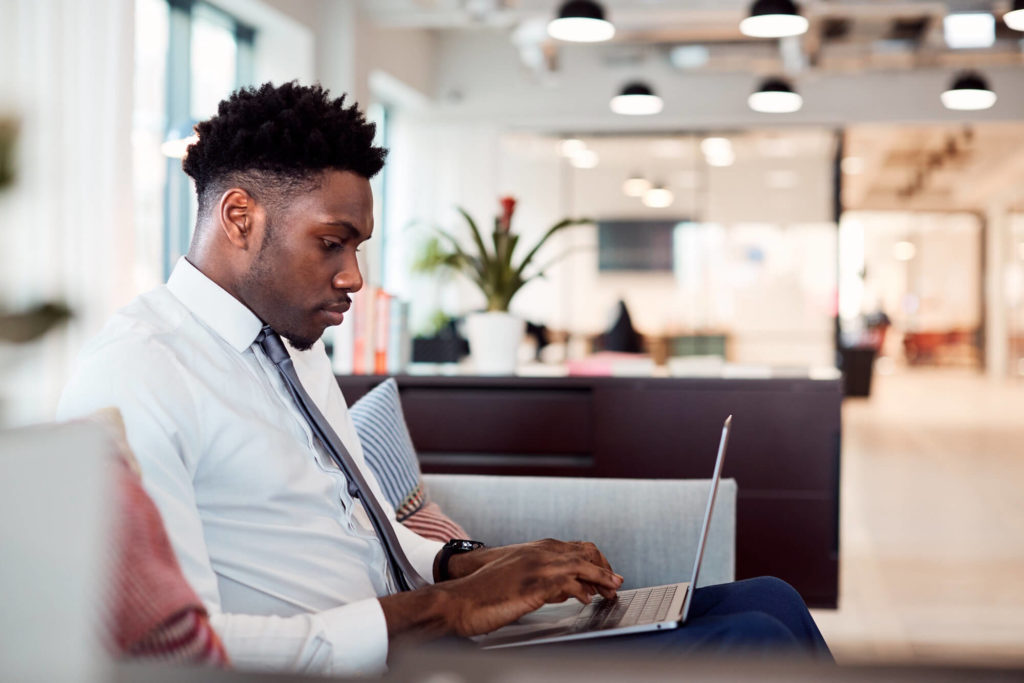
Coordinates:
(456,546)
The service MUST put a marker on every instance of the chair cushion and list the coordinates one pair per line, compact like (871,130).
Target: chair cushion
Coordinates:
(389,452)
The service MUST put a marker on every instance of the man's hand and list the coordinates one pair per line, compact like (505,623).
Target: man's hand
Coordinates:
(496,586)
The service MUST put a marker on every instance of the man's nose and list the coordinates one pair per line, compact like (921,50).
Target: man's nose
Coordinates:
(349,278)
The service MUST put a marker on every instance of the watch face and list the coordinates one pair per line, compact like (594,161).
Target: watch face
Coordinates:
(463,546)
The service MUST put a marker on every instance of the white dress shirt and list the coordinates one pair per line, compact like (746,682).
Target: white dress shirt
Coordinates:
(259,516)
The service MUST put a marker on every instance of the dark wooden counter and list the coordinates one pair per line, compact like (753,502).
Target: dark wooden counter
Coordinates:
(783,452)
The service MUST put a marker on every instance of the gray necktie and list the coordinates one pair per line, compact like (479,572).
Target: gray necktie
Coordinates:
(405,575)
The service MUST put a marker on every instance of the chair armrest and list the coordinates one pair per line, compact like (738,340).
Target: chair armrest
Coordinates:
(647,528)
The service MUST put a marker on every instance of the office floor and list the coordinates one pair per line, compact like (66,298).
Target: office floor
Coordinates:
(932,520)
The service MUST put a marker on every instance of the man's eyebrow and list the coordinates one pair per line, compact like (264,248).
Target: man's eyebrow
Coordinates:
(342,223)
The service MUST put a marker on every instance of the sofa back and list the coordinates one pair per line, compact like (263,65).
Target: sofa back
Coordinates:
(646,528)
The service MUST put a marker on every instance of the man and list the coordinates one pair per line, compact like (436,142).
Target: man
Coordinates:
(261,519)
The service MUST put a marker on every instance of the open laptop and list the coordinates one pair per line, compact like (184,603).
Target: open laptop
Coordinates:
(631,611)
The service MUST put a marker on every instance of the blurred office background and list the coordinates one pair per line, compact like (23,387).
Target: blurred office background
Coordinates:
(872,217)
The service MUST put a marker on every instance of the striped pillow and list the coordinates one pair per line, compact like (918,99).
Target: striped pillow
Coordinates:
(389,452)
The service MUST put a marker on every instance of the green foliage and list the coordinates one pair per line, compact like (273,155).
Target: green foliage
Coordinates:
(490,265)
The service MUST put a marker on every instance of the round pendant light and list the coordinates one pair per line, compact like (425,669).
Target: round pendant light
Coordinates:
(773,19)
(636,99)
(581,21)
(658,197)
(775,96)
(970,92)
(1015,17)
(636,185)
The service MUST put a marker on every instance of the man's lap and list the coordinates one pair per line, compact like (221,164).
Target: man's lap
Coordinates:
(762,616)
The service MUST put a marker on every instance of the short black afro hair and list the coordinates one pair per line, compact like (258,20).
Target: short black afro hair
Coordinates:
(278,139)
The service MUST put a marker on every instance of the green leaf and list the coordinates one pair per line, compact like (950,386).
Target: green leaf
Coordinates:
(477,237)
(560,225)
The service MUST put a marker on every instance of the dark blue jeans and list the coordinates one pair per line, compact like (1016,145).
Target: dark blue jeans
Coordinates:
(755,617)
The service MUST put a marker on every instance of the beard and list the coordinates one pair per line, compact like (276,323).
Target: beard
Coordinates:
(263,289)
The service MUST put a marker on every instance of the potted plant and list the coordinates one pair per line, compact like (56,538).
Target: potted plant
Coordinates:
(494,334)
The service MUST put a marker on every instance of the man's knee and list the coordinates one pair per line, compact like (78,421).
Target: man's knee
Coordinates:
(756,631)
(769,590)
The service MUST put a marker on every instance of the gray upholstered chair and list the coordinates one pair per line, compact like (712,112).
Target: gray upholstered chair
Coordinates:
(647,528)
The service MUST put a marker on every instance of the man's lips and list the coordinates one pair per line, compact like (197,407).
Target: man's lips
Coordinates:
(336,312)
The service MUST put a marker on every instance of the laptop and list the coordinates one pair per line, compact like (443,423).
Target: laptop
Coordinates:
(631,611)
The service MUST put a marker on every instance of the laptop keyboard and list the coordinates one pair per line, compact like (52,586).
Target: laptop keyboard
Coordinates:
(639,606)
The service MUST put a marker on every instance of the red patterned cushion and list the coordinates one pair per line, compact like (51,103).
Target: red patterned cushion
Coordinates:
(430,522)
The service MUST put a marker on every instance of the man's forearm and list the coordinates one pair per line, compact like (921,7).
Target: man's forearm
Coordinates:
(423,612)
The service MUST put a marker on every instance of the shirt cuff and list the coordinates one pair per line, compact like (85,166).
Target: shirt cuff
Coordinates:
(422,558)
(359,633)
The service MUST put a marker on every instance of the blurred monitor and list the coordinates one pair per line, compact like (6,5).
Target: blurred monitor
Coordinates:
(636,245)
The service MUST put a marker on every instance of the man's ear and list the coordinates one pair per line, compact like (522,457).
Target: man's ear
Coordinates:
(237,217)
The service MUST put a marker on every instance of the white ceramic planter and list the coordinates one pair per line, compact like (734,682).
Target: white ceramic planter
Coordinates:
(494,341)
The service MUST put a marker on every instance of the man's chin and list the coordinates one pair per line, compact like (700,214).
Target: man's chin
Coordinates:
(301,342)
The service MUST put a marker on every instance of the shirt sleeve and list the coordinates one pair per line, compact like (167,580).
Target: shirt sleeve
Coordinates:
(154,397)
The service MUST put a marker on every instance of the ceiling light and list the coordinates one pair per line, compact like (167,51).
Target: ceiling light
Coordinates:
(586,158)
(721,160)
(775,96)
(715,146)
(636,185)
(852,165)
(571,146)
(773,19)
(581,21)
(1015,17)
(718,151)
(969,30)
(636,99)
(970,92)
(689,56)
(658,197)
(904,251)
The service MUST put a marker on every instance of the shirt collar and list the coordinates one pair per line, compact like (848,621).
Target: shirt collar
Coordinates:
(214,306)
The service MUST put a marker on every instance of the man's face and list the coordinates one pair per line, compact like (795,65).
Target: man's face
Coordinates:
(300,280)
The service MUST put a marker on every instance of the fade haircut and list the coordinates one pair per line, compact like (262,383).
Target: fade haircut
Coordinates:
(274,142)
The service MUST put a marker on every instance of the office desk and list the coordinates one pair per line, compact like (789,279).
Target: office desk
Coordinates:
(784,449)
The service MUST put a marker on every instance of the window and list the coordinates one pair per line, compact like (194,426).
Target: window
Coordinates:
(189,56)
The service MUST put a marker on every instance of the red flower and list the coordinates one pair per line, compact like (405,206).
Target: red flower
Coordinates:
(508,205)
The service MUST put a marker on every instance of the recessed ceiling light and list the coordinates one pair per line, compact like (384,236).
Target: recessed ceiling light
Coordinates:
(904,251)
(571,146)
(718,151)
(636,99)
(970,92)
(969,30)
(636,185)
(773,19)
(689,56)
(586,158)
(1015,17)
(775,96)
(658,197)
(581,21)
